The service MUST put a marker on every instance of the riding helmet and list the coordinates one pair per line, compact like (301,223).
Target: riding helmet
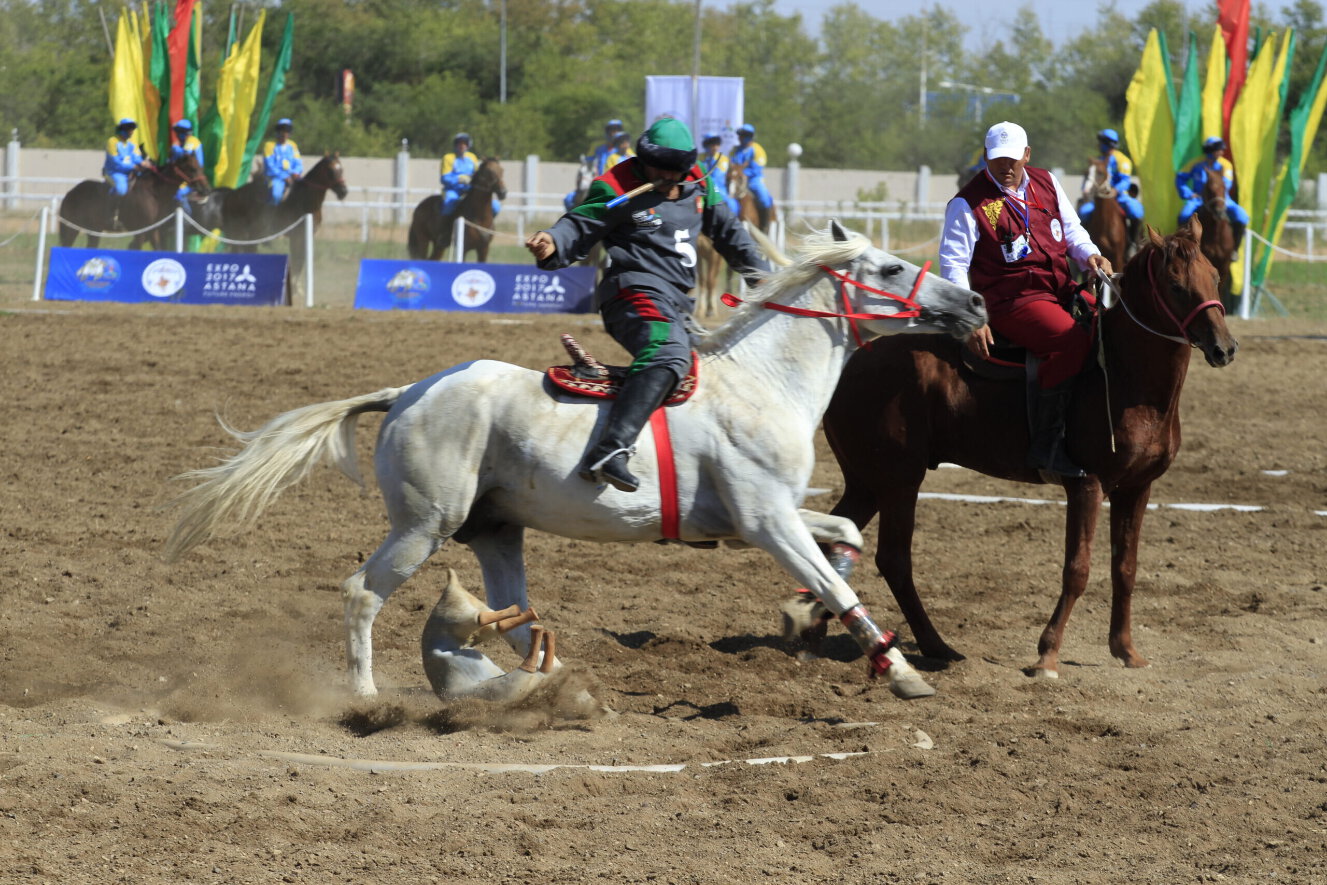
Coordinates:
(1213,143)
(284,123)
(711,138)
(462,136)
(126,123)
(746,129)
(183,126)
(667,144)
(1109,135)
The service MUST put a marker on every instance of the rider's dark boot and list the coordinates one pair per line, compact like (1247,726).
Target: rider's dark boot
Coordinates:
(1237,234)
(1131,228)
(606,459)
(1047,409)
(762,217)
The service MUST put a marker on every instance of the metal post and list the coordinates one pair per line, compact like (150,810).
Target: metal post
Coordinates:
(884,232)
(923,186)
(458,239)
(11,171)
(179,228)
(41,253)
(401,181)
(1245,296)
(792,186)
(502,51)
(530,184)
(1322,189)
(308,260)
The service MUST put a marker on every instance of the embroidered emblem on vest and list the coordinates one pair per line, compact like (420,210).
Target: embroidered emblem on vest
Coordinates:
(993,210)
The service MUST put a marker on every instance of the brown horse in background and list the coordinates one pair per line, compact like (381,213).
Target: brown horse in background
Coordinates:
(1106,225)
(92,206)
(431,231)
(750,212)
(910,403)
(1218,235)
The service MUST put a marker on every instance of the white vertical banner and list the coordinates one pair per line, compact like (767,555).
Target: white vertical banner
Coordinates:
(719,105)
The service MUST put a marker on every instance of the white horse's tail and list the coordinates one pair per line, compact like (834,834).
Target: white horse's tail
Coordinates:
(768,246)
(274,457)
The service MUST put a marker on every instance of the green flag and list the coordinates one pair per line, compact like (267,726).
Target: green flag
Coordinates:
(1188,119)
(1170,78)
(160,74)
(274,86)
(192,86)
(1304,120)
(212,128)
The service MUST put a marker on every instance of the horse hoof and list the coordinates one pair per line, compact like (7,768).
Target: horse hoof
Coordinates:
(909,686)
(1043,673)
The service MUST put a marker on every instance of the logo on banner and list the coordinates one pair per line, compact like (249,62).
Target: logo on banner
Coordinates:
(409,285)
(98,273)
(163,278)
(229,280)
(539,290)
(473,288)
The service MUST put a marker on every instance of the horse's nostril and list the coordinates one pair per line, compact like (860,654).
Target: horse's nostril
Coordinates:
(978,303)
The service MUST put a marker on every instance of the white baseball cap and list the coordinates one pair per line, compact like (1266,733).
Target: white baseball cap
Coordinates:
(1006,140)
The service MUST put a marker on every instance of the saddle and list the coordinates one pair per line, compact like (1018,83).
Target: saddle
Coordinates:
(588,377)
(1009,361)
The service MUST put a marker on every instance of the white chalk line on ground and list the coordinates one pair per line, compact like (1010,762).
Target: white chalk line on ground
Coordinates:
(372,765)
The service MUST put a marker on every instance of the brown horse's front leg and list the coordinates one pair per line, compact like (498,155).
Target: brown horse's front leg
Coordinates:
(893,556)
(1080,525)
(1127,508)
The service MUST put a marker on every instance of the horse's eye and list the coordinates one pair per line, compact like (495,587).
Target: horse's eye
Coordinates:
(890,270)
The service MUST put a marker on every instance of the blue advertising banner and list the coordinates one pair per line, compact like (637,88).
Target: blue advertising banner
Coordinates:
(500,288)
(180,278)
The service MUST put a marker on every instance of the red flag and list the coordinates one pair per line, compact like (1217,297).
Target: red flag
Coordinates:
(1233,16)
(178,44)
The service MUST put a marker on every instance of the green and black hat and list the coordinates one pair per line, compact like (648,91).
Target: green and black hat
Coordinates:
(667,144)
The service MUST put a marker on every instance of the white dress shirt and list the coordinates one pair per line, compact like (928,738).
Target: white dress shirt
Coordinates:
(958,237)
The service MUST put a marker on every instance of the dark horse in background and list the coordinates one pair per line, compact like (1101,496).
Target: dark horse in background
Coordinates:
(910,403)
(1218,235)
(92,206)
(1106,224)
(246,214)
(431,231)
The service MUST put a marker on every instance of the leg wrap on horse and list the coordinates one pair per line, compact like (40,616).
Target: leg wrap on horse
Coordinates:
(641,394)
(873,641)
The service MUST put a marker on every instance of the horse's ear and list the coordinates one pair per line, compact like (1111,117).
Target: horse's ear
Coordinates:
(840,235)
(1195,228)
(1155,238)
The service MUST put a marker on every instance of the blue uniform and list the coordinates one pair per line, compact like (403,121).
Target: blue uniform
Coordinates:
(1120,171)
(192,146)
(716,167)
(122,159)
(1190,185)
(751,157)
(281,162)
(454,166)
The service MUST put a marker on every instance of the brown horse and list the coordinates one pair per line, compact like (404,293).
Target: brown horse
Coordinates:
(739,191)
(1218,236)
(709,266)
(91,206)
(1106,223)
(431,231)
(247,213)
(910,403)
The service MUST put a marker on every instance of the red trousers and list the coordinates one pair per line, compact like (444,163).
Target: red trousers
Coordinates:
(1042,325)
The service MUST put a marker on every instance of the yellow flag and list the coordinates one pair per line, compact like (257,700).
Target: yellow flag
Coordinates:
(237,93)
(126,85)
(1247,125)
(1149,130)
(1214,88)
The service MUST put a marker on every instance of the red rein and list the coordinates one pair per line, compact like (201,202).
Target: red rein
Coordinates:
(910,301)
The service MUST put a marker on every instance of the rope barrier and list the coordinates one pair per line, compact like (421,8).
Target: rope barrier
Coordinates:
(102,233)
(220,239)
(20,231)
(1284,251)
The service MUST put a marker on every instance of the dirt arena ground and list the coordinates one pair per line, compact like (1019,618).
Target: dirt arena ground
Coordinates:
(145,708)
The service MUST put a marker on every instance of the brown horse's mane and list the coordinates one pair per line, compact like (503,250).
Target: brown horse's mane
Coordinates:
(1182,245)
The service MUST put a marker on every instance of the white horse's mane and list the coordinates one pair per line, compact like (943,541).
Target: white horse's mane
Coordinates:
(818,247)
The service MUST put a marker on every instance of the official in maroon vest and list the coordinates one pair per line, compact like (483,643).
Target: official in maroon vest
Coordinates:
(1009,234)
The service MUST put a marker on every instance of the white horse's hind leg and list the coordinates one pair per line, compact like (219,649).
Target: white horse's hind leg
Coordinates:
(805,617)
(501,555)
(364,593)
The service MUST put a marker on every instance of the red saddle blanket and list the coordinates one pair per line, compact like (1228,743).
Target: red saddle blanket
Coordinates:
(589,377)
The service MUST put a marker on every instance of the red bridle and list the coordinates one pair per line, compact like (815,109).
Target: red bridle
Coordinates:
(1182,326)
(909,300)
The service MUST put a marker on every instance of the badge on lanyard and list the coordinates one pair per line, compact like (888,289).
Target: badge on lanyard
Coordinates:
(1015,248)
(1056,231)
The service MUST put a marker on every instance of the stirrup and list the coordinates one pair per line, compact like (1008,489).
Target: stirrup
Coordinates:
(595,472)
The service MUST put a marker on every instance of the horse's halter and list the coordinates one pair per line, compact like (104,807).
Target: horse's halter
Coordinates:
(1181,326)
(909,300)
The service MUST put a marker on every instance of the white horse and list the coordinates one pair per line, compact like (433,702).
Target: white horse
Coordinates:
(484,450)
